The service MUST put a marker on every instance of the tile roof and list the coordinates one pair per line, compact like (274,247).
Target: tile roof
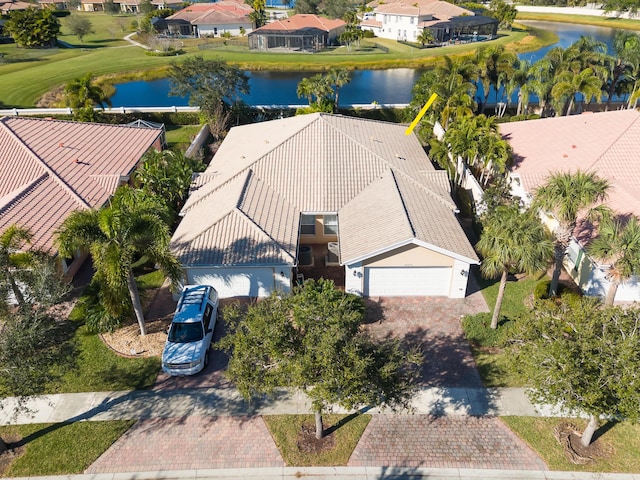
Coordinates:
(301,22)
(440,9)
(607,143)
(221,12)
(49,168)
(315,164)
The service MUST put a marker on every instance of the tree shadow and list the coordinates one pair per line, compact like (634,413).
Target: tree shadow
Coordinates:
(604,429)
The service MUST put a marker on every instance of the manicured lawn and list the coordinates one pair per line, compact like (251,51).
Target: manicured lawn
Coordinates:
(285,428)
(52,71)
(622,440)
(180,136)
(581,19)
(109,30)
(486,344)
(58,449)
(97,368)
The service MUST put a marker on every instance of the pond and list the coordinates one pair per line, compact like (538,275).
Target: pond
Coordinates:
(391,86)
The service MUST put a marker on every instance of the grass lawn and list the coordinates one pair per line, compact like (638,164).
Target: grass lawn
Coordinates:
(58,449)
(285,429)
(55,70)
(97,368)
(109,30)
(179,137)
(622,440)
(581,19)
(486,343)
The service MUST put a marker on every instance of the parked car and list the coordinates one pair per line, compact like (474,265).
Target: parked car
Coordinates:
(189,337)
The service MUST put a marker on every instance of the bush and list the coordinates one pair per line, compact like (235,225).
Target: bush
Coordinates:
(368,34)
(479,333)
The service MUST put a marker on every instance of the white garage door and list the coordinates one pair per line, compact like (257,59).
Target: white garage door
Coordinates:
(235,282)
(407,281)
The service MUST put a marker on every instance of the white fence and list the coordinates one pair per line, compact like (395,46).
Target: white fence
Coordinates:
(69,111)
(591,10)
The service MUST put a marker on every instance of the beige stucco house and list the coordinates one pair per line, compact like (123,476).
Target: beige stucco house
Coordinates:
(275,188)
(607,143)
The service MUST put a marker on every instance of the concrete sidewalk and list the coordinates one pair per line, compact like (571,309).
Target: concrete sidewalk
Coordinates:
(146,404)
(351,473)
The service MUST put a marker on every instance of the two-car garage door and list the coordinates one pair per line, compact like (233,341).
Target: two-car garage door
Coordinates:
(407,281)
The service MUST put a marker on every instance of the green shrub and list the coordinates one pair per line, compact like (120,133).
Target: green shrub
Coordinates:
(541,292)
(368,34)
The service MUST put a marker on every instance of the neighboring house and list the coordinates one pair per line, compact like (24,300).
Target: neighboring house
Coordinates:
(404,21)
(7,6)
(606,143)
(299,33)
(56,4)
(211,19)
(316,178)
(49,168)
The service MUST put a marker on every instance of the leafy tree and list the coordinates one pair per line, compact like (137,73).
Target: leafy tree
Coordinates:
(110,7)
(512,242)
(622,6)
(146,7)
(618,242)
(79,26)
(82,95)
(582,356)
(565,195)
(117,235)
(167,176)
(311,340)
(503,12)
(307,6)
(213,85)
(425,36)
(335,8)
(33,28)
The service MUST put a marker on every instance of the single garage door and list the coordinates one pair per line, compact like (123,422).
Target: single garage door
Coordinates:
(235,282)
(407,281)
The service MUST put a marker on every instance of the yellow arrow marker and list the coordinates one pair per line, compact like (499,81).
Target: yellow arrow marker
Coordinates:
(432,98)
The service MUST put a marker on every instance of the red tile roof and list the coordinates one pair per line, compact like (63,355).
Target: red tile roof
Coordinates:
(301,22)
(606,143)
(48,168)
(225,11)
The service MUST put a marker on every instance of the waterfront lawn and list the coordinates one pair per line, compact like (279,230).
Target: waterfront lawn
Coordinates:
(611,22)
(179,137)
(60,448)
(22,91)
(619,441)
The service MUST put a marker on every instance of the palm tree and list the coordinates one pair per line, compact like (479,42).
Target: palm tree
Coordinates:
(338,77)
(82,95)
(317,86)
(425,36)
(519,80)
(565,195)
(117,235)
(626,46)
(493,63)
(618,242)
(12,240)
(569,84)
(512,241)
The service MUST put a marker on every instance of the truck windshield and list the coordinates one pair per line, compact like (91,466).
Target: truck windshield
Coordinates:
(185,332)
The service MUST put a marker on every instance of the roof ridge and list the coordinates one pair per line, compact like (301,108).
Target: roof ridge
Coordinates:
(250,175)
(426,188)
(48,169)
(12,197)
(404,204)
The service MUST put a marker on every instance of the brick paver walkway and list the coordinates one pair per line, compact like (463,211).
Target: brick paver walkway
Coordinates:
(442,442)
(191,443)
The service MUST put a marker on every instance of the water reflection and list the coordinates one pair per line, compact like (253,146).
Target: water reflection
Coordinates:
(391,86)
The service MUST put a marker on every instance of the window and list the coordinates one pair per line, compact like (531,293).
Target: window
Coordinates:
(206,318)
(411,20)
(330,224)
(307,224)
